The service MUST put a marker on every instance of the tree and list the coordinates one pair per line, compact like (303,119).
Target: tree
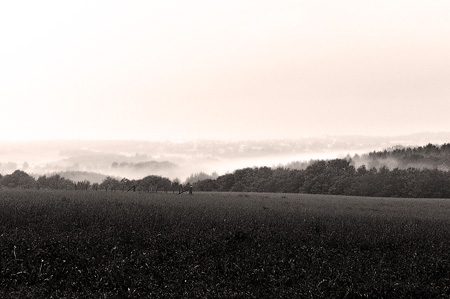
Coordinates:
(19,179)
(55,182)
(83,185)
(110,183)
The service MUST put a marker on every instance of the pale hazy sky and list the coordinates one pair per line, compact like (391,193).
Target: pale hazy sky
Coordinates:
(223,69)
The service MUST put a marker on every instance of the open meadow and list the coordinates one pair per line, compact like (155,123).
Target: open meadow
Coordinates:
(221,245)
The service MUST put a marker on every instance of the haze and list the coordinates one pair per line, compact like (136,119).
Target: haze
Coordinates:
(170,70)
(93,160)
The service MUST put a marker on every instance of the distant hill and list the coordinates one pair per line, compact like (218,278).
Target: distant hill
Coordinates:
(395,172)
(137,159)
(147,165)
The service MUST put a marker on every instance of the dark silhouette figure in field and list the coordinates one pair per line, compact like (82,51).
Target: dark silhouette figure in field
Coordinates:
(189,189)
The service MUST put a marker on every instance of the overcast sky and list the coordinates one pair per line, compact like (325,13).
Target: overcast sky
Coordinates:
(169,70)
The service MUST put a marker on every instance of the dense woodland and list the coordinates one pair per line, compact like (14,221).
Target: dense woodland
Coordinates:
(429,156)
(430,177)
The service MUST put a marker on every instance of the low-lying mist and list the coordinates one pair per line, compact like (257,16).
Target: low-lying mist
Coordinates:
(422,157)
(94,160)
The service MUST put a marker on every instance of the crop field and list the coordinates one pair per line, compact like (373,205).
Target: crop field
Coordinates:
(221,245)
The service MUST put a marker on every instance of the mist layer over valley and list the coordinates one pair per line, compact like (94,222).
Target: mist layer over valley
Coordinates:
(94,160)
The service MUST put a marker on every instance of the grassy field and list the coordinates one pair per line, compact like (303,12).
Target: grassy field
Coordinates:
(221,245)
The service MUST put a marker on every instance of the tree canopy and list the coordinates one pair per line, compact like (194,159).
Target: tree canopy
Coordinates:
(337,176)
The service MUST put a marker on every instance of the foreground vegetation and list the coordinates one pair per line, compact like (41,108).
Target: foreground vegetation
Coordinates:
(221,245)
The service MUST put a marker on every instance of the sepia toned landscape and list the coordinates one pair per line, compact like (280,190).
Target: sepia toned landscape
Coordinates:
(281,231)
(224,149)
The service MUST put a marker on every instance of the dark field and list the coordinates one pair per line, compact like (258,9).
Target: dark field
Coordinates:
(221,245)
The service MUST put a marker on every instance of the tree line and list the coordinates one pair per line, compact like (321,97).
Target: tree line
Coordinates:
(430,156)
(151,183)
(338,176)
(341,177)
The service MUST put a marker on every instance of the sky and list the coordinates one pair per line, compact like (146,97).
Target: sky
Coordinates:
(184,70)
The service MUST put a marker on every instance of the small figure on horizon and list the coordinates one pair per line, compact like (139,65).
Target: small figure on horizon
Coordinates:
(190,189)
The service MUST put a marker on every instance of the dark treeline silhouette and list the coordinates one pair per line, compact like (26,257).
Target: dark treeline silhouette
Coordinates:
(431,178)
(263,179)
(18,179)
(151,183)
(338,176)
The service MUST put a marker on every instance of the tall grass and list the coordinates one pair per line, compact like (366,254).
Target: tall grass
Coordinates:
(103,244)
